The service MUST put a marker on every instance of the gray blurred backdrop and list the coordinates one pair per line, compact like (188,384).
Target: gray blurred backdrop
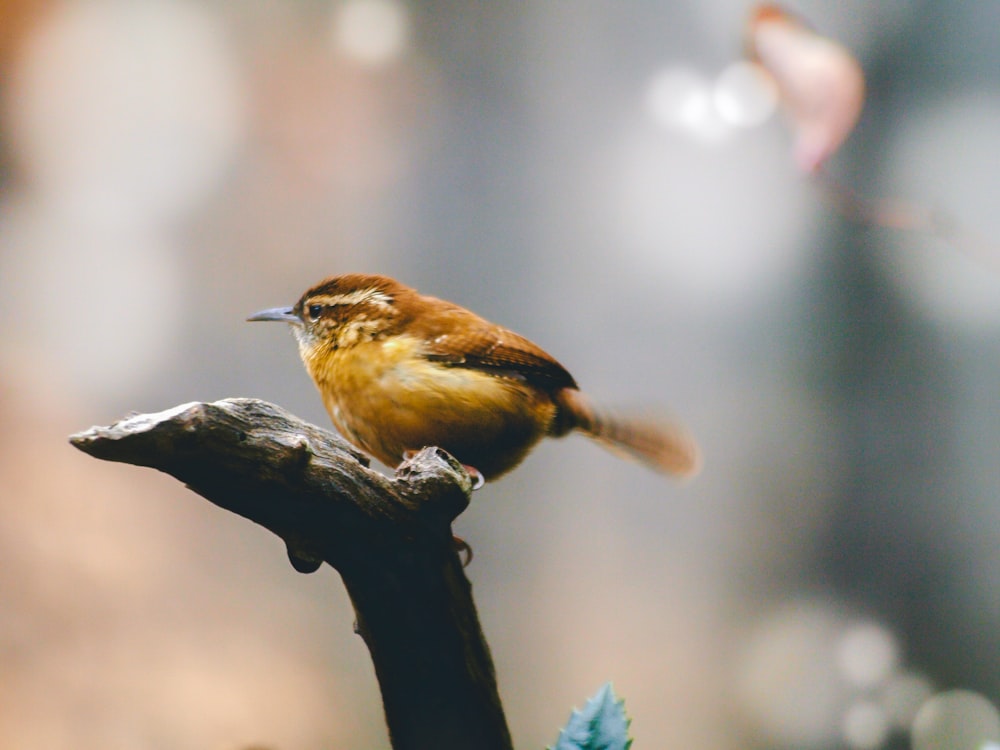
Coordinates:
(170,167)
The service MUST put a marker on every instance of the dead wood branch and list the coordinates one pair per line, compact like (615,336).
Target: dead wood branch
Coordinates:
(390,540)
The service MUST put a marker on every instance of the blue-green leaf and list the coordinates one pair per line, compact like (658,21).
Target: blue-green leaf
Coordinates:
(600,725)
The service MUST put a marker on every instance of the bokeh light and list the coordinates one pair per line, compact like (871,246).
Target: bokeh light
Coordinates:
(100,296)
(372,32)
(788,682)
(685,100)
(814,676)
(866,726)
(867,654)
(126,111)
(744,95)
(956,720)
(936,161)
(902,696)
(681,98)
(700,221)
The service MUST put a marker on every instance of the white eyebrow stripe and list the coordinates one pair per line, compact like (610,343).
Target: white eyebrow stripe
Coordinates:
(354,298)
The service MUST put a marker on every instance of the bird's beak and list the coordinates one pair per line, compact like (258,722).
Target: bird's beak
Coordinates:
(283,314)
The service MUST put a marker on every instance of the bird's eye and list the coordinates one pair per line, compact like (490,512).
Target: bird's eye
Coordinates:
(315,311)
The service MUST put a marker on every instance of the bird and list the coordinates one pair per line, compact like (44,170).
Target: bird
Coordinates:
(398,371)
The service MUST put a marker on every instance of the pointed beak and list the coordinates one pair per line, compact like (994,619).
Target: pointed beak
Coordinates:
(283,314)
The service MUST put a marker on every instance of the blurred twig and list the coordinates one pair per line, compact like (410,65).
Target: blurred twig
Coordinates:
(390,539)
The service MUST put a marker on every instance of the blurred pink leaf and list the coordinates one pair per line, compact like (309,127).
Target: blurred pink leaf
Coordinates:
(819,82)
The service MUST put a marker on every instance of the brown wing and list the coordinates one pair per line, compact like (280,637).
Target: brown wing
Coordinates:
(461,338)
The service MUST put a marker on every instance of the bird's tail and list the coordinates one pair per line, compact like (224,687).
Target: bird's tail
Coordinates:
(662,446)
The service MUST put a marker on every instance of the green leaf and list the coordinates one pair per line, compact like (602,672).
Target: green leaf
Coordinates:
(600,725)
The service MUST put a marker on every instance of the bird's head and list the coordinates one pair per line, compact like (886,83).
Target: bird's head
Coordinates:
(343,311)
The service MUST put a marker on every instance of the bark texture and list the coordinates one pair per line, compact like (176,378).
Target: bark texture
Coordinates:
(390,540)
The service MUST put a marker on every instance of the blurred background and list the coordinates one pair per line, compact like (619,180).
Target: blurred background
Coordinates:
(831,580)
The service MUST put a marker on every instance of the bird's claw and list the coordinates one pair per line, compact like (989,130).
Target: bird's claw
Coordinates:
(478,480)
(462,547)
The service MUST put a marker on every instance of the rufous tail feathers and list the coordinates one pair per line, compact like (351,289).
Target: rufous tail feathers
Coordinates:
(662,446)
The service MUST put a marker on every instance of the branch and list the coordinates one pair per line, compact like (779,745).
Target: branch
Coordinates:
(390,540)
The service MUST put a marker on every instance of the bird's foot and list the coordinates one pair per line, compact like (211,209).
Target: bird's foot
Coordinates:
(464,549)
(478,480)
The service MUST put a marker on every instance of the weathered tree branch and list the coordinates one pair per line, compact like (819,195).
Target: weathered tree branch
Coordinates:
(390,540)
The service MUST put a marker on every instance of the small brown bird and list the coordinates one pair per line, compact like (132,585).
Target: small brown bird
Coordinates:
(399,371)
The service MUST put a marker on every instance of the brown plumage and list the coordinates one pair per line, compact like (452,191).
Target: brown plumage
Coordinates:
(399,371)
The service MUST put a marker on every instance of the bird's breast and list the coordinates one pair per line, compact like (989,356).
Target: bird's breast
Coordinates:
(388,398)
